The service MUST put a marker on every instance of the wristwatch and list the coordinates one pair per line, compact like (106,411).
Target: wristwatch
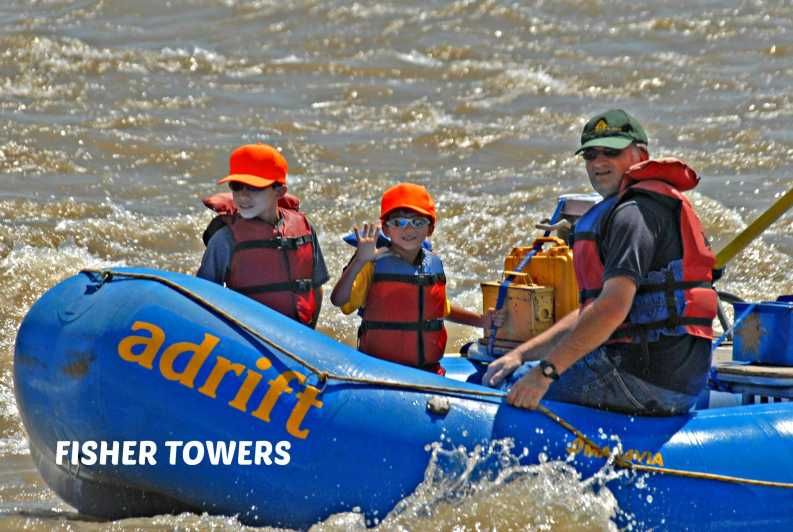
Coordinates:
(549,370)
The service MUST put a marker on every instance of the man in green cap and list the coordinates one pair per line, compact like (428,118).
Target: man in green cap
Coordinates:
(640,342)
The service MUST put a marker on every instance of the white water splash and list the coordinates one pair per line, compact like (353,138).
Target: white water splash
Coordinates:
(489,489)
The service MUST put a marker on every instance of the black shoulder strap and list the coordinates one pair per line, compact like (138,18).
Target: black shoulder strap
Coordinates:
(217,223)
(276,243)
(423,279)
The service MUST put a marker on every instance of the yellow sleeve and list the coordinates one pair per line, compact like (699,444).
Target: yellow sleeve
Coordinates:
(360,289)
(447,308)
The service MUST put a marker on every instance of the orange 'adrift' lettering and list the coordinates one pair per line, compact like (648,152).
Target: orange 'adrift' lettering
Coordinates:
(182,361)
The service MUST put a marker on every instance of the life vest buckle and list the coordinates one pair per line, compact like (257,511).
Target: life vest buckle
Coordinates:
(282,242)
(303,285)
(431,325)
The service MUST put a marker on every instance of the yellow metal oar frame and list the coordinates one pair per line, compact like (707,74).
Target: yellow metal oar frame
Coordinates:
(754,229)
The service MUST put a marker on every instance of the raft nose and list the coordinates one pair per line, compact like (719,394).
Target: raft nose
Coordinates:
(50,361)
(58,394)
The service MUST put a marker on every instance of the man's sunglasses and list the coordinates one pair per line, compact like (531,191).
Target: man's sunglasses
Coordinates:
(236,186)
(402,223)
(590,154)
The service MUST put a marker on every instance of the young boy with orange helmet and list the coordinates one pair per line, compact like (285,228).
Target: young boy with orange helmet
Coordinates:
(264,247)
(401,289)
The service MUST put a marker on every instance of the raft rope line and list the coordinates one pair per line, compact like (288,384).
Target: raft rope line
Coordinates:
(324,376)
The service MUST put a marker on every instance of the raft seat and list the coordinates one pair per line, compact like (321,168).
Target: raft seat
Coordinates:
(755,382)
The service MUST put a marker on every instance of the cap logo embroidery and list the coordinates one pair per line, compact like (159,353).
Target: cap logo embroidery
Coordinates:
(601,126)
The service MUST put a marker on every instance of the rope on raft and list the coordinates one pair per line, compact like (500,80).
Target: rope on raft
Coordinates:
(323,376)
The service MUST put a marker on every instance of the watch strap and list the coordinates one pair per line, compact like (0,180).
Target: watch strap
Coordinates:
(549,370)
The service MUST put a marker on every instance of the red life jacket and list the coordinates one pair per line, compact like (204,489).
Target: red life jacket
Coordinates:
(274,265)
(223,204)
(678,299)
(403,315)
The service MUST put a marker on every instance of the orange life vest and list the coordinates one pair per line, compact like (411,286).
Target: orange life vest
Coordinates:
(403,315)
(678,299)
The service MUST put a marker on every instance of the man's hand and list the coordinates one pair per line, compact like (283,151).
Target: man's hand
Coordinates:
(502,367)
(527,392)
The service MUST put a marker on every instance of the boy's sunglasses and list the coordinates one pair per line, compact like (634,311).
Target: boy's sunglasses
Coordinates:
(236,186)
(402,223)
(590,154)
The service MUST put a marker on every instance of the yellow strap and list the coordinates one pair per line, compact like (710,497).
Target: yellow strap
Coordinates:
(754,229)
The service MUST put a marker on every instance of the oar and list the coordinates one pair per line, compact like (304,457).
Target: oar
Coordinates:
(737,244)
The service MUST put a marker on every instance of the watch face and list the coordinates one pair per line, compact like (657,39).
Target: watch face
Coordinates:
(548,370)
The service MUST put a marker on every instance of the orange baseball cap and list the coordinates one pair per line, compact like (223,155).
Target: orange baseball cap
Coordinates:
(257,165)
(407,196)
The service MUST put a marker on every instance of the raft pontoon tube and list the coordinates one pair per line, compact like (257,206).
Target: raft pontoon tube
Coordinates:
(153,357)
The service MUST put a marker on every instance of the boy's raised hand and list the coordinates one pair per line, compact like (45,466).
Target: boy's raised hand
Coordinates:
(367,242)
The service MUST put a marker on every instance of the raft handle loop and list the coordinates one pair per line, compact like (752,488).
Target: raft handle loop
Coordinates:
(322,381)
(439,406)
(323,376)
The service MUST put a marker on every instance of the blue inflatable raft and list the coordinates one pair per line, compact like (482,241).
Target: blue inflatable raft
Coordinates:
(146,392)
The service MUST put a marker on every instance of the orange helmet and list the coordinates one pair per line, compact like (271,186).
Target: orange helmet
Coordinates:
(407,196)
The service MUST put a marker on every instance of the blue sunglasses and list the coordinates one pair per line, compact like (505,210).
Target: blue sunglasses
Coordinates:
(402,223)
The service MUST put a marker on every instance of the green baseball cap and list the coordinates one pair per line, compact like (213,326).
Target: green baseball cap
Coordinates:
(613,129)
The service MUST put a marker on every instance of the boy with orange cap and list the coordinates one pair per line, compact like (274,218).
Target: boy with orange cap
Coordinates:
(265,250)
(401,289)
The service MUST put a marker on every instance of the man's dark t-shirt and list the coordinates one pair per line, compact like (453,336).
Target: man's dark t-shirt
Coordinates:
(642,235)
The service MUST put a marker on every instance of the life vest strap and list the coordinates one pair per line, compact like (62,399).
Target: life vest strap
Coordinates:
(636,329)
(419,279)
(678,285)
(275,243)
(671,301)
(422,326)
(585,235)
(218,222)
(656,287)
(298,285)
